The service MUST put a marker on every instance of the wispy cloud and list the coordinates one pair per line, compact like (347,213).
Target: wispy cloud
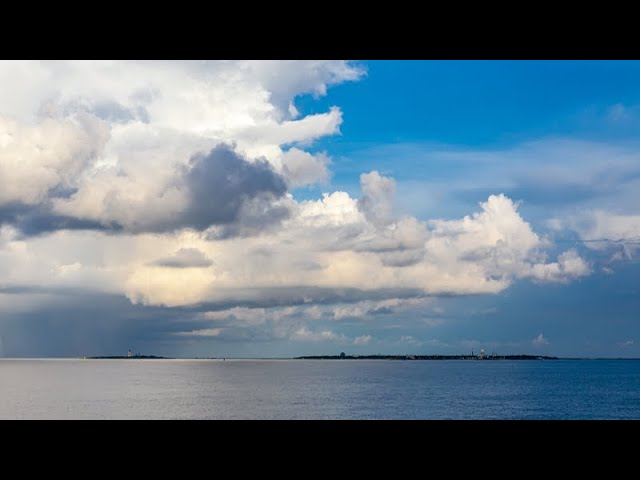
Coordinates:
(362,340)
(540,341)
(205,332)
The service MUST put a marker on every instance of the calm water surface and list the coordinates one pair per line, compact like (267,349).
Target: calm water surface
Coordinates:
(319,389)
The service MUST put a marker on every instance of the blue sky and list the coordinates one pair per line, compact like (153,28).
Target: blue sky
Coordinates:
(468,205)
(476,103)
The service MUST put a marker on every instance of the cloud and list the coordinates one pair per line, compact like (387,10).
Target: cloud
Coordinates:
(301,168)
(378,195)
(221,184)
(369,309)
(40,219)
(362,340)
(604,232)
(176,93)
(399,244)
(569,266)
(500,243)
(540,341)
(242,315)
(601,229)
(185,258)
(45,159)
(627,343)
(314,78)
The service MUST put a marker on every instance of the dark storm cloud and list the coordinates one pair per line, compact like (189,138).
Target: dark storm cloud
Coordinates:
(222,185)
(185,258)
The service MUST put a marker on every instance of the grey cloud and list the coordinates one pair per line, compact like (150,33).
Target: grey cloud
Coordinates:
(225,188)
(404,258)
(113,112)
(268,297)
(37,220)
(185,258)
(392,253)
(341,237)
(45,290)
(378,195)
(256,215)
(108,110)
(307,265)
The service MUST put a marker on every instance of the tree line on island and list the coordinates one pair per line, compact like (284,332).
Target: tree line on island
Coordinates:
(342,356)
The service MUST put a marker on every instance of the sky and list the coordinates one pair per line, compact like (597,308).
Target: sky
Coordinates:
(285,208)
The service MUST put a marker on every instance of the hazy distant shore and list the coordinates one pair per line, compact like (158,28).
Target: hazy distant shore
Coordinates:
(346,357)
(426,357)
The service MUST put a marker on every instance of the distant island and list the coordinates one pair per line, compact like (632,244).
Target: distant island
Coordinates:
(131,355)
(342,356)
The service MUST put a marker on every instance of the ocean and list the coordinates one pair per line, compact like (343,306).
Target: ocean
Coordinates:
(318,389)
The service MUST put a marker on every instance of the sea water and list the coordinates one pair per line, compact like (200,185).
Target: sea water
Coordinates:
(319,389)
